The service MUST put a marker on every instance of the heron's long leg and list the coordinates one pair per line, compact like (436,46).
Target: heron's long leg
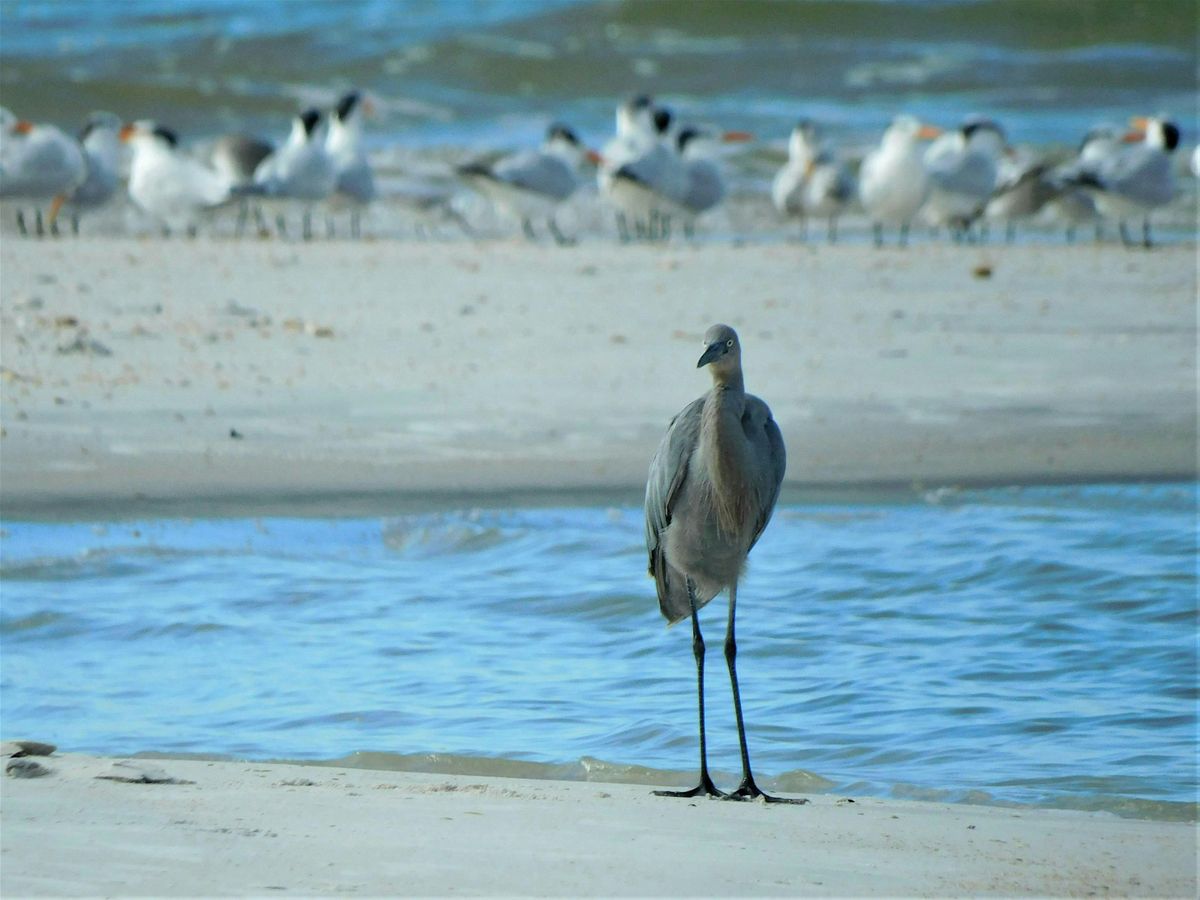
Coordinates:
(747,790)
(706,786)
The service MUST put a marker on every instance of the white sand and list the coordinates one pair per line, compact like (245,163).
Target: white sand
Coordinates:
(380,367)
(354,371)
(249,829)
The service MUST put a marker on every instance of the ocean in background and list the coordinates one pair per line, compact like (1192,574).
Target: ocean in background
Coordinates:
(493,73)
(1028,645)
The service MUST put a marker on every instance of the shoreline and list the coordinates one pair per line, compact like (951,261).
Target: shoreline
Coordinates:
(387,501)
(304,829)
(261,376)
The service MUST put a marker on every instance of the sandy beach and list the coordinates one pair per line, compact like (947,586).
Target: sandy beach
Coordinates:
(150,377)
(256,376)
(257,829)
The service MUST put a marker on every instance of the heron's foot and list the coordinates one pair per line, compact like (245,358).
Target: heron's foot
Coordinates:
(748,790)
(705,788)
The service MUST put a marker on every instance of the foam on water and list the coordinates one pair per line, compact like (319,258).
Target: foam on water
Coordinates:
(496,72)
(1031,645)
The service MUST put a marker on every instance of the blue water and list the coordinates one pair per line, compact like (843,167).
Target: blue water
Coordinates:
(492,72)
(1025,645)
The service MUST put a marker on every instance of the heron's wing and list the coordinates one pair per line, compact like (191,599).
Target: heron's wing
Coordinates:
(668,469)
(771,456)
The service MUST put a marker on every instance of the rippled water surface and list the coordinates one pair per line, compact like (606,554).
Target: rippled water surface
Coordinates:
(494,71)
(1032,645)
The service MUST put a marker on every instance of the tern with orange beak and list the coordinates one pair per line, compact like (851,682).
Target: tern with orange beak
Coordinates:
(37,164)
(531,184)
(893,182)
(176,190)
(677,179)
(344,143)
(813,183)
(101,143)
(963,167)
(1137,179)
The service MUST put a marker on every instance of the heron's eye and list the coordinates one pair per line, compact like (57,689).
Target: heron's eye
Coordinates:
(729,343)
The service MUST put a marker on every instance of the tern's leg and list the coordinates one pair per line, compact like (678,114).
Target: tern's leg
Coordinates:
(904,235)
(705,788)
(1125,238)
(527,227)
(243,214)
(1070,234)
(21,223)
(622,228)
(1146,242)
(39,227)
(559,238)
(877,227)
(747,790)
(831,231)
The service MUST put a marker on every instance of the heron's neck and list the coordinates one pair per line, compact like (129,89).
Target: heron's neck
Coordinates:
(726,452)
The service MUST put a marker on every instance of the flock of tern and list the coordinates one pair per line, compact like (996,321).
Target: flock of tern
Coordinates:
(655,172)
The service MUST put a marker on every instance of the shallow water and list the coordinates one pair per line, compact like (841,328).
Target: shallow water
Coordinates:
(1032,646)
(493,73)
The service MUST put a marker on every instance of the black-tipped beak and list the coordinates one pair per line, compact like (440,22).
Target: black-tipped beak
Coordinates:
(711,354)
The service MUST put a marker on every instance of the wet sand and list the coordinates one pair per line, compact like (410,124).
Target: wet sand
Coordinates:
(267,830)
(143,374)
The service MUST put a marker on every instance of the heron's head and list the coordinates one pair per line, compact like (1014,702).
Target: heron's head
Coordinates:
(721,351)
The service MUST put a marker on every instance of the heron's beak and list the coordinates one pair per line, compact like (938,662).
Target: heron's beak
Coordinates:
(126,132)
(929,132)
(712,353)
